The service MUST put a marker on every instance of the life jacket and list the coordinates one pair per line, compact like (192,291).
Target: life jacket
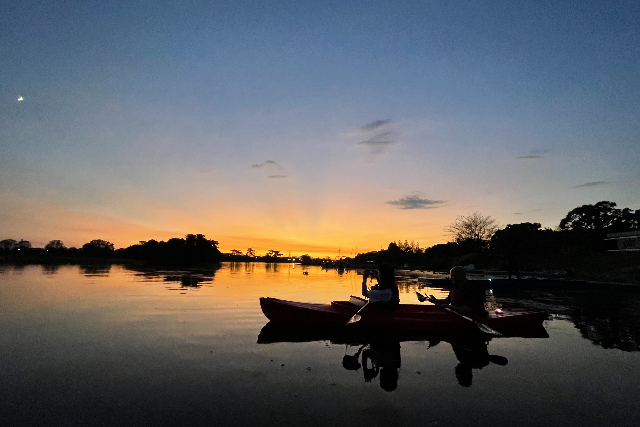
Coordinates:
(470,295)
(393,303)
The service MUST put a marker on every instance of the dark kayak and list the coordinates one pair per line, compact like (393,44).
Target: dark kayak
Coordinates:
(407,317)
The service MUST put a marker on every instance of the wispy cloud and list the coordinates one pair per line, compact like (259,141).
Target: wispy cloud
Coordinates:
(379,136)
(522,213)
(377,145)
(277,176)
(267,164)
(374,125)
(530,157)
(415,202)
(591,184)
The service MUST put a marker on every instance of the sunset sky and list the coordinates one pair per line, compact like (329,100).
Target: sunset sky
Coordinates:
(311,126)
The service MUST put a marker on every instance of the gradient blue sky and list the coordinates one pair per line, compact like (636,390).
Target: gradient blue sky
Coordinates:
(292,125)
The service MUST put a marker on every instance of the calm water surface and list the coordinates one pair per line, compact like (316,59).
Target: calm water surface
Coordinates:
(82,345)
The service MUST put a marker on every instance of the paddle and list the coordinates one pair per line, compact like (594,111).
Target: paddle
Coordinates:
(484,328)
(356,317)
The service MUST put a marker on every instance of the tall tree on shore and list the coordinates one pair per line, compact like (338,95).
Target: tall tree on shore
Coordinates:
(599,217)
(8,244)
(474,227)
(55,245)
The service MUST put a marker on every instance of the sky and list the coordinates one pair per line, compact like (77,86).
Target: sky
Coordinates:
(312,126)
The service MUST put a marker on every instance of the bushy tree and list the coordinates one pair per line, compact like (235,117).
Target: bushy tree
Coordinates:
(603,216)
(8,244)
(474,227)
(55,245)
(98,245)
(23,245)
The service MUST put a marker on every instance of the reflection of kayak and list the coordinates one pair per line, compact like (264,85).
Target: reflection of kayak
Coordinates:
(275,332)
(408,317)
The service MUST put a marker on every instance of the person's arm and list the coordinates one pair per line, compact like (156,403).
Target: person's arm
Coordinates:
(365,276)
(437,301)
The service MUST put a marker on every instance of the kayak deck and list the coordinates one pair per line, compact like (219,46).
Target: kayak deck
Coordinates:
(407,317)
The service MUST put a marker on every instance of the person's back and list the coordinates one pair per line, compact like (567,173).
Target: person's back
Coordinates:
(465,294)
(388,281)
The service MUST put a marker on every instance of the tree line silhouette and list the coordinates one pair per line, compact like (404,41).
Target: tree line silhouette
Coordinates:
(192,249)
(473,239)
(577,245)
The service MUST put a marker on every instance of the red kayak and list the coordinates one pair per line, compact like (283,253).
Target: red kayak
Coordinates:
(407,317)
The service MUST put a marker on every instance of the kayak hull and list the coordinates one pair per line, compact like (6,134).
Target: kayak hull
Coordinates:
(407,317)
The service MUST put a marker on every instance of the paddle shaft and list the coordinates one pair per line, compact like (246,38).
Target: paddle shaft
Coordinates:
(484,328)
(356,317)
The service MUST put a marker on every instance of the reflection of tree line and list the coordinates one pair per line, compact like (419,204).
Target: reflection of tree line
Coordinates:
(192,278)
(609,318)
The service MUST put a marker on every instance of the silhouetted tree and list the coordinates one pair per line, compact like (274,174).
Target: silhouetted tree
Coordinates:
(8,244)
(98,247)
(515,237)
(273,254)
(23,245)
(100,244)
(55,245)
(518,240)
(475,227)
(236,252)
(193,249)
(600,217)
(250,252)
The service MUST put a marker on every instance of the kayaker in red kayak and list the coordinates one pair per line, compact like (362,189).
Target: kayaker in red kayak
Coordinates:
(465,296)
(385,294)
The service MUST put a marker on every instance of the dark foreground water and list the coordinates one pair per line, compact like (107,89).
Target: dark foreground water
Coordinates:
(82,345)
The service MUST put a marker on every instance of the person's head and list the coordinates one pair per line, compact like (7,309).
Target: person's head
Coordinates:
(458,275)
(388,379)
(464,375)
(386,276)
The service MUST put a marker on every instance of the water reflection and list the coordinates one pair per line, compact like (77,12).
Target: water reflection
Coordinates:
(50,269)
(379,355)
(191,278)
(609,317)
(95,269)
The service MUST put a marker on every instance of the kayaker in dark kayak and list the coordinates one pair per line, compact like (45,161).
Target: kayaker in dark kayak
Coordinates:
(385,294)
(465,296)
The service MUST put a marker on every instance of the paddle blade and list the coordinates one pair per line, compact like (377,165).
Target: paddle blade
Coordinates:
(498,360)
(354,319)
(487,330)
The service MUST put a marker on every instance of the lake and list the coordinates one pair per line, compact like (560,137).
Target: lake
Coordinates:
(115,345)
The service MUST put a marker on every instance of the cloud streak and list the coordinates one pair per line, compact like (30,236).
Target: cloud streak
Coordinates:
(378,138)
(591,184)
(267,164)
(530,157)
(415,202)
(374,125)
(277,176)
